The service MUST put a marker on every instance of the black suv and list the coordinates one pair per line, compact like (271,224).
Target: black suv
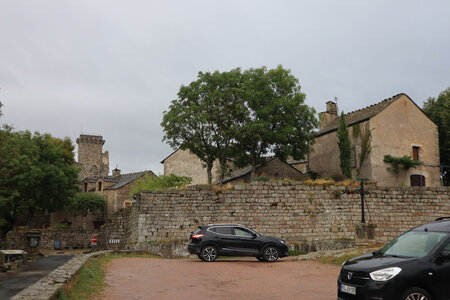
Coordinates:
(415,265)
(213,240)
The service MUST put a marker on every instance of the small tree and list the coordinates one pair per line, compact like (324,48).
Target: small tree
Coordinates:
(344,147)
(87,203)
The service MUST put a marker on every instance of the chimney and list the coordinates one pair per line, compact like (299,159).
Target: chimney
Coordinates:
(326,117)
(115,172)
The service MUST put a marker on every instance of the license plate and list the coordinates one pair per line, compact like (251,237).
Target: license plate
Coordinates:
(348,289)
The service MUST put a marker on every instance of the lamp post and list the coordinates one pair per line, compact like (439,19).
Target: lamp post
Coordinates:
(362,193)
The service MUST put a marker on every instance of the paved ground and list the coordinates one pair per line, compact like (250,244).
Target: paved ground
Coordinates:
(14,281)
(241,278)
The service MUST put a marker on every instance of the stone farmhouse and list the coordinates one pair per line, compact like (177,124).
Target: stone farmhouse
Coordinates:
(184,163)
(394,126)
(94,177)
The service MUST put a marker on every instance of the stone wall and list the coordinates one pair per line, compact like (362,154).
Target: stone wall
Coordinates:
(305,216)
(69,239)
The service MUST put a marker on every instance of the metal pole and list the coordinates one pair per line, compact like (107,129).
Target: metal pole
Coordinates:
(361,191)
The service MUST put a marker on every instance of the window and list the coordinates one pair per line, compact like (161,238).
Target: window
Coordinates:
(85,186)
(223,230)
(417,180)
(99,186)
(416,153)
(242,232)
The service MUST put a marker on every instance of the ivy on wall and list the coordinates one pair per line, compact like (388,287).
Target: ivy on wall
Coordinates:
(406,162)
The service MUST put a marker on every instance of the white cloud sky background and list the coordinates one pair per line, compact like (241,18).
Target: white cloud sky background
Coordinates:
(112,67)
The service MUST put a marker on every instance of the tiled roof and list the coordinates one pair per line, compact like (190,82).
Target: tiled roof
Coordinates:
(359,115)
(120,180)
(124,179)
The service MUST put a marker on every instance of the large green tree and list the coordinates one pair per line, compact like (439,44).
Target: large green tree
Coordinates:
(276,118)
(344,147)
(201,117)
(241,116)
(438,110)
(37,174)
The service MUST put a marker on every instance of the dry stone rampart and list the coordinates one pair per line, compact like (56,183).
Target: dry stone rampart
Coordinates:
(301,214)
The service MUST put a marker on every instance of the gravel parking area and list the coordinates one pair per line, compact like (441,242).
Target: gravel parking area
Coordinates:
(236,278)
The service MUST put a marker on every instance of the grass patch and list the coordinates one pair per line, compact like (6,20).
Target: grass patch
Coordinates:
(296,252)
(339,260)
(90,279)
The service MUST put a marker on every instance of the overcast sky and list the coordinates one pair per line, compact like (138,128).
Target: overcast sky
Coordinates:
(112,67)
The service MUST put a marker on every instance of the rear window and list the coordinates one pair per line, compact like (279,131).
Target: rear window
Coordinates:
(222,230)
(197,231)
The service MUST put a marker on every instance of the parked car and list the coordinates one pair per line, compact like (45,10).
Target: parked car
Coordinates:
(211,241)
(414,266)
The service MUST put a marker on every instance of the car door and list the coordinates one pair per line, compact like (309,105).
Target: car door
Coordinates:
(247,242)
(224,238)
(442,273)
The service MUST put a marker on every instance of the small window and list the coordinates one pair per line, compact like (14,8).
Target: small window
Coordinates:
(85,187)
(242,232)
(416,153)
(223,230)
(417,180)
(99,186)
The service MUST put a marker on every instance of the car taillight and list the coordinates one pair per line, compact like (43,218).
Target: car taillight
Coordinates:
(197,236)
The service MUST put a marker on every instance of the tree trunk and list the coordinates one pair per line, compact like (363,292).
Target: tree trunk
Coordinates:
(208,170)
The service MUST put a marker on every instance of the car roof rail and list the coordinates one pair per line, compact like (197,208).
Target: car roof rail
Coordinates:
(442,218)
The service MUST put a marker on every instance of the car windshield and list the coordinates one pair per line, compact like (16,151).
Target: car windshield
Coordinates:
(413,244)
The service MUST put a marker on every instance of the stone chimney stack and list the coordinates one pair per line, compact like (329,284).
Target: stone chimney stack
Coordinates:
(115,172)
(326,117)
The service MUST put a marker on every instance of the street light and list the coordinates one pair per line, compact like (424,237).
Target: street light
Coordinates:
(362,192)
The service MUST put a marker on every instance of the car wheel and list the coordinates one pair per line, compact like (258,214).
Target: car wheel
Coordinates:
(271,254)
(259,258)
(208,253)
(416,294)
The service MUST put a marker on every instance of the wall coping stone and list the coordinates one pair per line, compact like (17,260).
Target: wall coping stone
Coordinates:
(47,287)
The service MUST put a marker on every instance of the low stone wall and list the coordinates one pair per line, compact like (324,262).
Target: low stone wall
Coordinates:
(47,287)
(68,239)
(307,217)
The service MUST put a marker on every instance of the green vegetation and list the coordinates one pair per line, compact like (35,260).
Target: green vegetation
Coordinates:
(344,147)
(406,162)
(242,115)
(366,148)
(158,183)
(37,174)
(339,260)
(90,279)
(438,110)
(295,252)
(86,203)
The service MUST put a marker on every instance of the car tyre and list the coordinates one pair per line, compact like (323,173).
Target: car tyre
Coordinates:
(271,254)
(416,294)
(208,253)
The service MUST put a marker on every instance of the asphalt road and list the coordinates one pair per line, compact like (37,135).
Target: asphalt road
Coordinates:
(14,281)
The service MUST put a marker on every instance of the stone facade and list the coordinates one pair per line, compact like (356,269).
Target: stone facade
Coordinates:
(305,216)
(184,163)
(398,127)
(91,158)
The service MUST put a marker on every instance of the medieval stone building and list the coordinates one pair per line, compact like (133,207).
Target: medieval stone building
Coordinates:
(394,126)
(91,158)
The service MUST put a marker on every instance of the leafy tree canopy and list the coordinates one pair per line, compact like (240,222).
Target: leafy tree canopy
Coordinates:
(344,147)
(37,173)
(242,115)
(438,110)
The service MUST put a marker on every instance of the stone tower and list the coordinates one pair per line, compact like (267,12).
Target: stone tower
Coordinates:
(94,162)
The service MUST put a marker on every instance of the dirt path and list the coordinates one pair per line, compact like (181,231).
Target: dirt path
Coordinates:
(151,278)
